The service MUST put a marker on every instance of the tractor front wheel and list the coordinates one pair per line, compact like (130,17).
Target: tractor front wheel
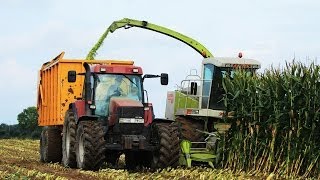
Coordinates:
(90,147)
(169,148)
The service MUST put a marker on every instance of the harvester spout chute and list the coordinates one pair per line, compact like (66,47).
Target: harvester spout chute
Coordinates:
(127,23)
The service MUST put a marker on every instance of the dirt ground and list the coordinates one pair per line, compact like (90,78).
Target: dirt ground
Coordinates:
(19,159)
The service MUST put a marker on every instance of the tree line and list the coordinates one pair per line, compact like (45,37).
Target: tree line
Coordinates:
(27,126)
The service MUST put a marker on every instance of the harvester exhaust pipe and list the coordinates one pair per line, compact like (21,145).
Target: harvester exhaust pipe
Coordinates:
(87,86)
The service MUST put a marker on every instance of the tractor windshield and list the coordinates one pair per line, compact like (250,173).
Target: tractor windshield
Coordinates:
(115,85)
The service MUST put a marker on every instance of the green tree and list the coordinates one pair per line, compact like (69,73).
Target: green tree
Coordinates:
(3,130)
(28,119)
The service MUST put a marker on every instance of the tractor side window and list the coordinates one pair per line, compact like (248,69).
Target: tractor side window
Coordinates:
(103,83)
(134,88)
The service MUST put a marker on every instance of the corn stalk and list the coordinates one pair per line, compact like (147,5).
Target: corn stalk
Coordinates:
(276,126)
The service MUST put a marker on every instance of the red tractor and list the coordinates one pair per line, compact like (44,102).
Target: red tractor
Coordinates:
(107,113)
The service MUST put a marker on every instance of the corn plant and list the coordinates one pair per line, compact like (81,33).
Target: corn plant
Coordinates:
(275,122)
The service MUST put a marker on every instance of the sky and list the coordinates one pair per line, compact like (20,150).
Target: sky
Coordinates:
(34,32)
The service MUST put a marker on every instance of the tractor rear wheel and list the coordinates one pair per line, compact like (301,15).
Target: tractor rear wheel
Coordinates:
(188,128)
(90,147)
(69,140)
(50,145)
(169,148)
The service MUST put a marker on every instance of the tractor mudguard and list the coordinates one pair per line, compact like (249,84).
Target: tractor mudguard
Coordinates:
(87,118)
(79,112)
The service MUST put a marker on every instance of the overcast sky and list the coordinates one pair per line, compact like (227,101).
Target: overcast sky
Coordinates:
(33,32)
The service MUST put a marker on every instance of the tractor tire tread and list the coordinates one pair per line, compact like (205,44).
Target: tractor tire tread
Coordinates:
(93,144)
(69,123)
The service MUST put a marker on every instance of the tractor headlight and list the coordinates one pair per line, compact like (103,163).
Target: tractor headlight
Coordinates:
(92,106)
(131,120)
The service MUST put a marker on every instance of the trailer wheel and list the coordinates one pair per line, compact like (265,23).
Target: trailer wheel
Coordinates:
(188,129)
(169,148)
(90,147)
(50,145)
(69,140)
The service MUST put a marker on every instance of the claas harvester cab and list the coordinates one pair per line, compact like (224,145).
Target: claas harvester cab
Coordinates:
(93,111)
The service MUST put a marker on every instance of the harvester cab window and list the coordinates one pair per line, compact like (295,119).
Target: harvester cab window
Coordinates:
(212,89)
(217,91)
(208,72)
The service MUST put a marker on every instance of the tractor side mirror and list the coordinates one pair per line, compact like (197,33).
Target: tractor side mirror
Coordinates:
(164,79)
(72,76)
(193,88)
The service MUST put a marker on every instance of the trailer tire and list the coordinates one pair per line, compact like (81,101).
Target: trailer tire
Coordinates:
(69,140)
(90,147)
(50,145)
(188,128)
(169,148)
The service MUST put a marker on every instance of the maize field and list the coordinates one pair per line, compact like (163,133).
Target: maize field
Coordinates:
(274,134)
(19,159)
(275,121)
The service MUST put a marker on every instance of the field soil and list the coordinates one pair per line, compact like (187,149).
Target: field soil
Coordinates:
(19,159)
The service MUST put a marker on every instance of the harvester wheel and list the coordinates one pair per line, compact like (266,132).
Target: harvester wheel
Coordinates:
(69,141)
(50,145)
(188,129)
(90,147)
(169,148)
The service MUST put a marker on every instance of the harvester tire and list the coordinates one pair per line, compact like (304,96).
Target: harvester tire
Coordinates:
(69,140)
(90,147)
(50,145)
(188,128)
(169,148)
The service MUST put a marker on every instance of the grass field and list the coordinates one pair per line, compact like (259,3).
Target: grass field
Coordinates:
(19,159)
